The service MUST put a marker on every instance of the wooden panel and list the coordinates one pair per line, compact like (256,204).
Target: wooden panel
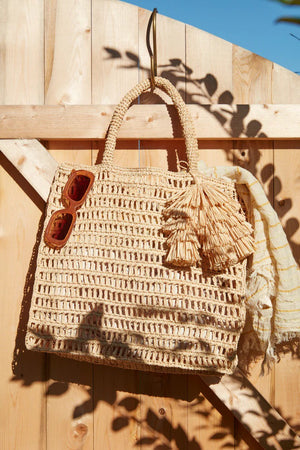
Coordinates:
(68,80)
(150,122)
(285,85)
(164,410)
(287,206)
(128,406)
(209,68)
(115,71)
(22,52)
(205,84)
(117,408)
(114,50)
(287,190)
(252,77)
(163,406)
(22,372)
(67,52)
(257,157)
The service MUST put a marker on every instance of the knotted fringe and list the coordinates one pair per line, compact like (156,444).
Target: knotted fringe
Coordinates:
(204,217)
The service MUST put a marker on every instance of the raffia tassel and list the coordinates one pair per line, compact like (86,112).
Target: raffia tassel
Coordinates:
(228,242)
(182,242)
(204,217)
(226,235)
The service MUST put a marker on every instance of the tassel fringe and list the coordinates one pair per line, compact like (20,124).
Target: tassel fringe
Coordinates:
(206,219)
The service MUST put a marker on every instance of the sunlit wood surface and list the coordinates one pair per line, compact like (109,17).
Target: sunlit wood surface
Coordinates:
(84,52)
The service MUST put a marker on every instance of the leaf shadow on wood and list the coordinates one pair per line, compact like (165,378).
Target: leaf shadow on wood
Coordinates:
(156,428)
(232,117)
(160,432)
(32,367)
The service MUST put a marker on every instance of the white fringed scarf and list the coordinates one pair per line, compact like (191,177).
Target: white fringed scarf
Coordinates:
(273,282)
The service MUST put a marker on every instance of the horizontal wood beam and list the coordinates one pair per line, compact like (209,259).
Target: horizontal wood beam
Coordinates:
(150,122)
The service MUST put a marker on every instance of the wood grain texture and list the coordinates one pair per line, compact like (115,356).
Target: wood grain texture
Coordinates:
(67,52)
(209,75)
(22,372)
(285,85)
(115,71)
(68,81)
(252,82)
(286,88)
(94,52)
(252,77)
(114,50)
(287,206)
(33,161)
(117,408)
(209,67)
(260,419)
(255,121)
(22,52)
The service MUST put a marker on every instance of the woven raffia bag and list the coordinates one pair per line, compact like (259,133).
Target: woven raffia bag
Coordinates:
(151,275)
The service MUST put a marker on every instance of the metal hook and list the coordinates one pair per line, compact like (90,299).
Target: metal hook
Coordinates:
(153,55)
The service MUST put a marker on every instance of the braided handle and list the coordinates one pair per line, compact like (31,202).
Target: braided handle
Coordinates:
(184,116)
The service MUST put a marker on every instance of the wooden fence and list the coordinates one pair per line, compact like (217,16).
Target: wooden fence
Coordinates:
(63,53)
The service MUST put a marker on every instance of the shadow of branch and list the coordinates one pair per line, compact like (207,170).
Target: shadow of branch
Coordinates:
(159,432)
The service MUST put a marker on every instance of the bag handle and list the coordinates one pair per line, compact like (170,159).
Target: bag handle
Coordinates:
(184,116)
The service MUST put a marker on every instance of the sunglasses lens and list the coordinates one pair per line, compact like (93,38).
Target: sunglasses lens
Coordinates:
(78,187)
(60,226)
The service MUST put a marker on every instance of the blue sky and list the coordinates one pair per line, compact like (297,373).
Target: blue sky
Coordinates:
(247,23)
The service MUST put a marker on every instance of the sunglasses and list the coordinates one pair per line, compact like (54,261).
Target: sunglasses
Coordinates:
(73,196)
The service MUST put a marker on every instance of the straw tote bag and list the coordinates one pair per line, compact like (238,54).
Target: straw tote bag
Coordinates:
(139,268)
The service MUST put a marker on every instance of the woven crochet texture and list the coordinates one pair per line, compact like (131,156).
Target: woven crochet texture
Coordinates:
(107,296)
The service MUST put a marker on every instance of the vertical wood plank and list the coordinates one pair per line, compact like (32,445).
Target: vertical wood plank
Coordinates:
(257,157)
(68,81)
(22,52)
(22,373)
(285,86)
(287,205)
(114,50)
(252,77)
(286,89)
(68,52)
(114,72)
(163,403)
(209,60)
